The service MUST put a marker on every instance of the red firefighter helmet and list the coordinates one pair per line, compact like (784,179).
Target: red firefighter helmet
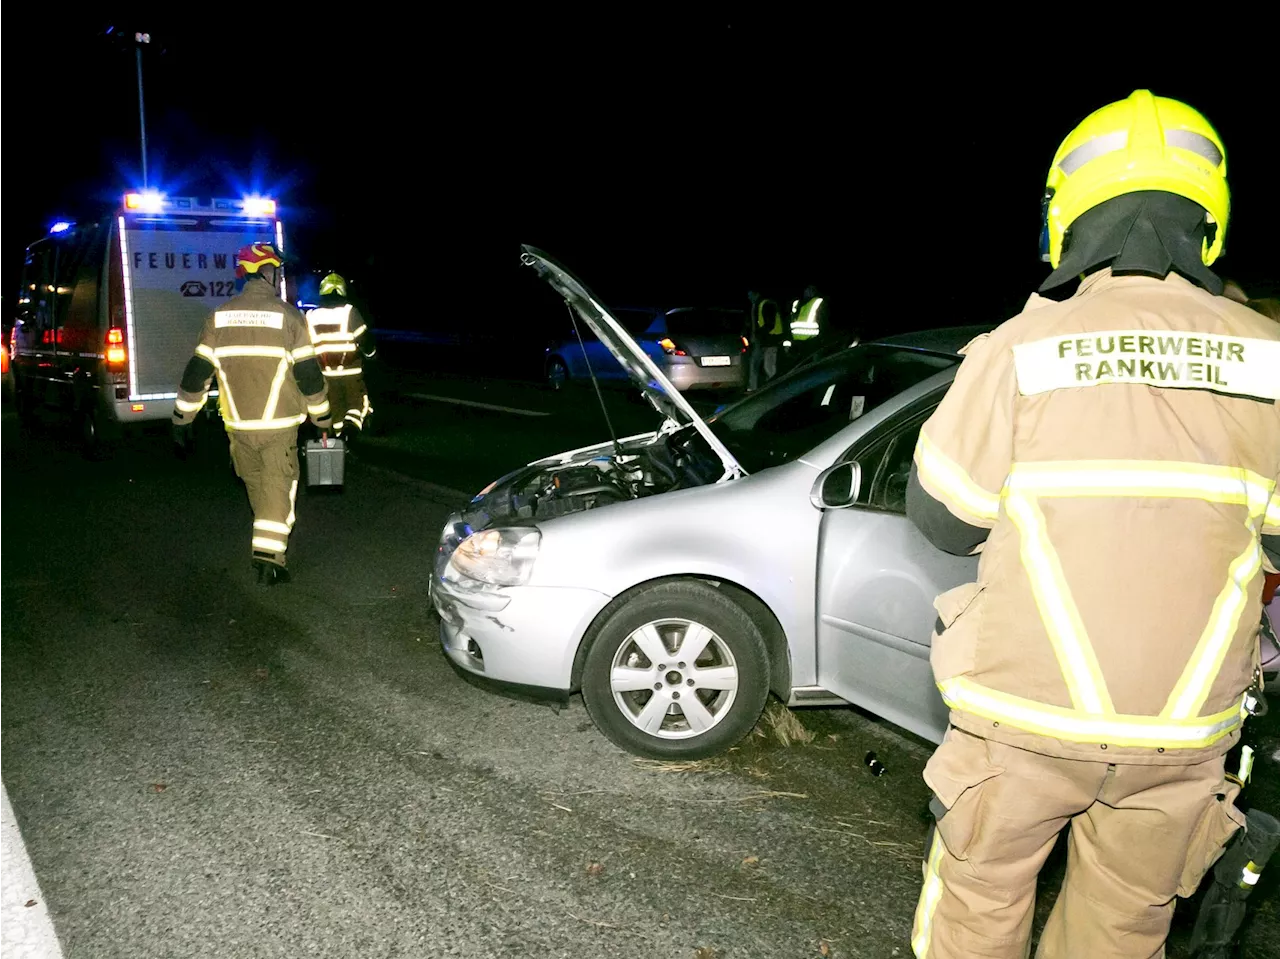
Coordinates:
(252,258)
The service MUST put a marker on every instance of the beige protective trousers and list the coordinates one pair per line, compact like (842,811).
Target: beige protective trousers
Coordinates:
(267,461)
(348,400)
(1140,835)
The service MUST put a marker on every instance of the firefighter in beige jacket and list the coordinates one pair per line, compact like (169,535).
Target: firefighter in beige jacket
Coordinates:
(269,382)
(1087,444)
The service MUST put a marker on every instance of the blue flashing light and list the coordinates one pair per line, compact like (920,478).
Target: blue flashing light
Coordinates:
(258,206)
(61,226)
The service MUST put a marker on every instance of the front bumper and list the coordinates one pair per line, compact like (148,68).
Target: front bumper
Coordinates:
(521,635)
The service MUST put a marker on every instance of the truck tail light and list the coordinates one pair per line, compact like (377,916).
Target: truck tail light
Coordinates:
(115,346)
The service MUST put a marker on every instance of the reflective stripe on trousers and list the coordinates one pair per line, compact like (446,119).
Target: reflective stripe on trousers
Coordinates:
(349,401)
(1140,835)
(268,464)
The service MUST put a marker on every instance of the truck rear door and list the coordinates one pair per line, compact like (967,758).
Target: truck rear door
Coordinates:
(179,260)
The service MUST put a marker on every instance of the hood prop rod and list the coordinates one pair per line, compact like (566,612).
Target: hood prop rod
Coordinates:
(613,435)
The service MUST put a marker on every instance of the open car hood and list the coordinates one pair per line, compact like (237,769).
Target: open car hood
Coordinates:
(657,389)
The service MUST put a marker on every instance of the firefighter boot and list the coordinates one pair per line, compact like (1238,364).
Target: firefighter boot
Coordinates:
(270,574)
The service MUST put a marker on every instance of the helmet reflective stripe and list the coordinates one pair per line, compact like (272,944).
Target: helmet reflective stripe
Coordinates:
(1107,143)
(254,256)
(1142,143)
(333,283)
(1110,142)
(1196,143)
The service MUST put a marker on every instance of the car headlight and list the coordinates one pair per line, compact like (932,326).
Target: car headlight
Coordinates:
(499,557)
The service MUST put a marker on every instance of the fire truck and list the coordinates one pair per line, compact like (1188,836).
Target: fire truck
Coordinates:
(110,310)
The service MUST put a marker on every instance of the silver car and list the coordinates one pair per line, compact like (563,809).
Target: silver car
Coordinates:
(694,348)
(678,577)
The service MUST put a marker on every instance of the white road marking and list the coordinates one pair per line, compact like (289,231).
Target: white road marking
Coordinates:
(28,928)
(483,406)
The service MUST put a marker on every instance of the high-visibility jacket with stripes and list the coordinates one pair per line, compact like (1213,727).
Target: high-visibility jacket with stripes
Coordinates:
(808,319)
(341,338)
(768,321)
(1123,449)
(259,349)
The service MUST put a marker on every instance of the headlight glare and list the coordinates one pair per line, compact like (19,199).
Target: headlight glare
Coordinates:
(499,557)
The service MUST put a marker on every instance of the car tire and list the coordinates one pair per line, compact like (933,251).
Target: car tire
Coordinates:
(25,401)
(97,440)
(557,373)
(619,677)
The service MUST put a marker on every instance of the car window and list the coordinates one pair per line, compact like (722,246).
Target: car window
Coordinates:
(657,328)
(71,264)
(570,337)
(36,305)
(886,465)
(633,321)
(796,413)
(702,322)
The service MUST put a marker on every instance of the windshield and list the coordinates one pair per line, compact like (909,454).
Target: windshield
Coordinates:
(695,322)
(810,405)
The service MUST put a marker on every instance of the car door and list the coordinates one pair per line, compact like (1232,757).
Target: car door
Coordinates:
(38,330)
(76,337)
(877,579)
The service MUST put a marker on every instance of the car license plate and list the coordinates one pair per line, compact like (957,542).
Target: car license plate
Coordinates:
(715,361)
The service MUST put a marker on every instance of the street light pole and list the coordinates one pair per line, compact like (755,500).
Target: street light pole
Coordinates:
(140,39)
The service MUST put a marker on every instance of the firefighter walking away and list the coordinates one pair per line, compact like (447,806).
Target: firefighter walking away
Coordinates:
(343,342)
(1085,437)
(269,382)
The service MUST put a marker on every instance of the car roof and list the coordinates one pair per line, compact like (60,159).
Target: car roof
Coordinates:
(947,340)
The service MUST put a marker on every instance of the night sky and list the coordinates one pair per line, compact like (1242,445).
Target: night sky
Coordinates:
(668,160)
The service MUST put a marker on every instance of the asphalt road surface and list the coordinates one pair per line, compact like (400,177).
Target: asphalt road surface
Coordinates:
(205,767)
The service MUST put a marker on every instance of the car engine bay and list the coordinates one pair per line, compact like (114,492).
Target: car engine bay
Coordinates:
(677,460)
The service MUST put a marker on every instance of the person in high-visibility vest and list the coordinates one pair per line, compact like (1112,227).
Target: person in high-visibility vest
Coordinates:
(343,342)
(1083,444)
(269,383)
(766,333)
(810,316)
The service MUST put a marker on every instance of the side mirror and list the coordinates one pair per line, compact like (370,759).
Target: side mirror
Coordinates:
(837,487)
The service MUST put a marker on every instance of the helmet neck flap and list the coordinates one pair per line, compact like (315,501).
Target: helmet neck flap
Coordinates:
(1149,233)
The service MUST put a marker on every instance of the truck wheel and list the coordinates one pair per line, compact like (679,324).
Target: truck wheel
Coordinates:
(97,439)
(25,403)
(678,670)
